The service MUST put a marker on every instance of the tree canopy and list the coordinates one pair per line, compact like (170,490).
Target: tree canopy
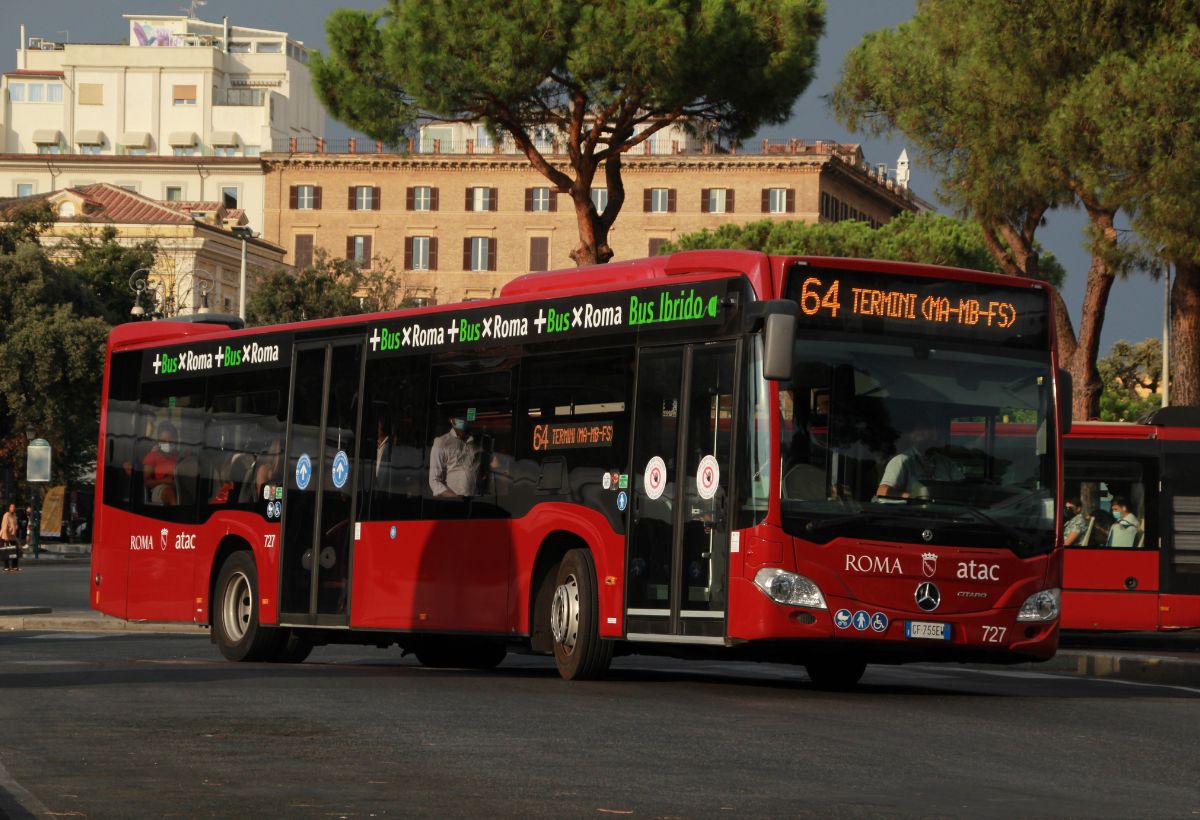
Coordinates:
(1132,375)
(330,286)
(1013,105)
(602,75)
(927,238)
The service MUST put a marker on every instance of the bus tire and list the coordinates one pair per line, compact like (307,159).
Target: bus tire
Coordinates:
(579,651)
(834,674)
(236,629)
(462,653)
(293,649)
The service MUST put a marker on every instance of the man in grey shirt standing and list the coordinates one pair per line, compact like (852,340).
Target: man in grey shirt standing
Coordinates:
(454,461)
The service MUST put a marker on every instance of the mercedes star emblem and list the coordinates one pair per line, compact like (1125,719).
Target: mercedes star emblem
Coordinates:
(928,596)
(927,535)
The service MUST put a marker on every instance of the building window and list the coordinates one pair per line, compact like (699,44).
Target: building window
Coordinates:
(173,193)
(135,151)
(358,250)
(540,200)
(539,253)
(185,150)
(225,151)
(303,256)
(421,198)
(363,198)
(46,148)
(91,94)
(16,92)
(251,151)
(655,245)
(53,92)
(483,140)
(420,253)
(716,201)
(184,95)
(304,197)
(230,195)
(89,150)
(778,200)
(659,200)
(479,253)
(481,199)
(24,189)
(600,199)
(269,47)
(239,48)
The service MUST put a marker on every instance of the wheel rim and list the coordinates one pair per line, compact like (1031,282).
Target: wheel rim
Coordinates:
(564,614)
(237,606)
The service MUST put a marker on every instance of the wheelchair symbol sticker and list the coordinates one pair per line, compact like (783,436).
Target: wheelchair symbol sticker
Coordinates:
(879,622)
(303,471)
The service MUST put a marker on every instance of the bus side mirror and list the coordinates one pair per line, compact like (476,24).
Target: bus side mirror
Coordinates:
(1065,401)
(777,318)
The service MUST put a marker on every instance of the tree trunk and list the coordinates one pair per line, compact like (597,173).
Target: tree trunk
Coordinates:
(1084,373)
(1184,357)
(593,248)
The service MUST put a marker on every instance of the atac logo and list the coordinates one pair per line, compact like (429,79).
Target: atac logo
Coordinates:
(929,564)
(162,538)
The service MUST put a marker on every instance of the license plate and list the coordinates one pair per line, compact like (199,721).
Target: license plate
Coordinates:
(927,630)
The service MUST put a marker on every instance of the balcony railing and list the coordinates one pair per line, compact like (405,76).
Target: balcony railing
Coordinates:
(240,96)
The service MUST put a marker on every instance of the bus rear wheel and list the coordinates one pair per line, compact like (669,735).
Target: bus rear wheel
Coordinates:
(836,673)
(236,628)
(579,651)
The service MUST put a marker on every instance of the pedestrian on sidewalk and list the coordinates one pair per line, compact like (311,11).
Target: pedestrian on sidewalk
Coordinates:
(8,540)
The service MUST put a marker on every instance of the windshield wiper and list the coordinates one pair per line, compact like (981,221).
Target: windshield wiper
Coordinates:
(980,515)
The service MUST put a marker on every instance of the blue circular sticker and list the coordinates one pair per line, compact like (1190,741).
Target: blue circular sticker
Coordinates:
(879,622)
(303,471)
(622,501)
(862,620)
(341,469)
(841,619)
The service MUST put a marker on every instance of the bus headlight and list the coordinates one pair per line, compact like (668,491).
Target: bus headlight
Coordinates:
(1040,606)
(788,588)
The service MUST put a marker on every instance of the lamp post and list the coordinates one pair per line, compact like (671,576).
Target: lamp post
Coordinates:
(139,283)
(243,232)
(37,471)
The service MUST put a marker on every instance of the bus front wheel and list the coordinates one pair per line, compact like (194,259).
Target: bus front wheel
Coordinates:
(236,629)
(579,651)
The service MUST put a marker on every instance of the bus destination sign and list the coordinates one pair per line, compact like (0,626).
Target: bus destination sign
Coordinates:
(919,306)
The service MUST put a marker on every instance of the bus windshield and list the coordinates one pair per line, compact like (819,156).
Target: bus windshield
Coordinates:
(911,442)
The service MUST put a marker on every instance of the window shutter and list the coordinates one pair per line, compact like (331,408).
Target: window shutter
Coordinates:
(408,253)
(646,195)
(469,202)
(791,201)
(671,200)
(528,199)
(494,199)
(466,253)
(304,249)
(433,253)
(350,248)
(316,197)
(350,203)
(539,253)
(704,200)
(293,196)
(376,198)
(366,251)
(766,200)
(433,199)
(553,199)
(410,197)
(491,253)
(728,200)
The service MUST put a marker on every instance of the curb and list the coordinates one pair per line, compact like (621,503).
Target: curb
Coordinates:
(68,623)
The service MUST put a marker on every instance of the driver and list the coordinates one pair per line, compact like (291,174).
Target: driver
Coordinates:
(923,461)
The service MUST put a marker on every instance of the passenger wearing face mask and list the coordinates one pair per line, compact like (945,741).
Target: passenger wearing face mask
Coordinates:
(158,467)
(454,461)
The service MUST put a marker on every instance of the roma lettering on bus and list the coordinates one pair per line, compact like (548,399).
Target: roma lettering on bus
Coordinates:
(877,564)
(260,354)
(425,336)
(601,317)
(498,327)
(141,542)
(195,361)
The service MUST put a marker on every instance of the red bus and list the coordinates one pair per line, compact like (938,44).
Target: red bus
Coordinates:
(679,455)
(1144,572)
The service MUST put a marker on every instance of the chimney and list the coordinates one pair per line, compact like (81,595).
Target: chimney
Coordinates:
(225,35)
(21,50)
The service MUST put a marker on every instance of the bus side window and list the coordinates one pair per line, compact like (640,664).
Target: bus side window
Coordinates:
(393,441)
(166,463)
(121,430)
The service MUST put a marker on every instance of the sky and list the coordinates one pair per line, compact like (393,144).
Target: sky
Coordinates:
(1135,306)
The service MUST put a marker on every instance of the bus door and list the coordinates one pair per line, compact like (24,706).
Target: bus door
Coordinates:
(678,540)
(1179,597)
(315,556)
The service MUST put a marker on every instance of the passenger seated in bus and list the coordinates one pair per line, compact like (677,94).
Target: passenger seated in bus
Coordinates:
(454,461)
(268,469)
(1076,523)
(1126,529)
(923,461)
(158,467)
